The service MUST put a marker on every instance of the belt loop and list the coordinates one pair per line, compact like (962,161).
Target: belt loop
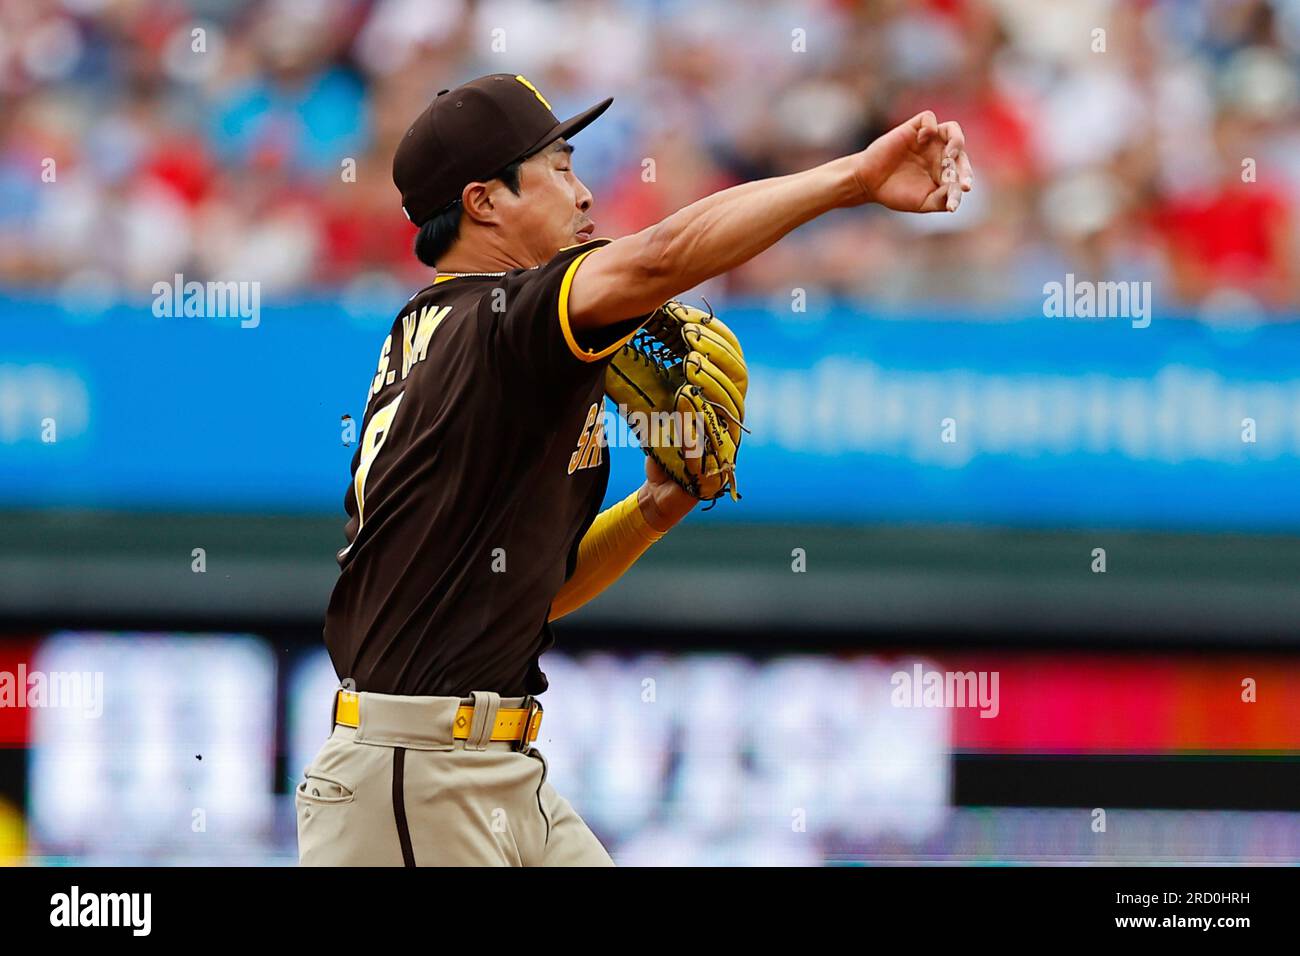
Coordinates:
(486,704)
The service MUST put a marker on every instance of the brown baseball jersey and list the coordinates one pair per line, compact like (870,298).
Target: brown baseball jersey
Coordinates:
(481,465)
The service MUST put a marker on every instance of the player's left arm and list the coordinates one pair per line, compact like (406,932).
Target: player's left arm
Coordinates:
(620,535)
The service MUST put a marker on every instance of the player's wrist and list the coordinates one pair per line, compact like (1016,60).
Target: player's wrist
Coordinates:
(662,510)
(848,182)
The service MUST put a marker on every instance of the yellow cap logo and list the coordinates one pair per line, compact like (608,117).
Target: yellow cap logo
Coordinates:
(535,92)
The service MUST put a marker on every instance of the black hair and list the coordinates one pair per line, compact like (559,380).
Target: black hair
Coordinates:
(437,235)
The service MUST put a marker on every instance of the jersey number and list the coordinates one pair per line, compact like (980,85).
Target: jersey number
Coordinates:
(381,423)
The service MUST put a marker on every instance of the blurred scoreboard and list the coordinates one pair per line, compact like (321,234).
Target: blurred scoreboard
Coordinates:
(692,759)
(174,763)
(185,748)
(672,759)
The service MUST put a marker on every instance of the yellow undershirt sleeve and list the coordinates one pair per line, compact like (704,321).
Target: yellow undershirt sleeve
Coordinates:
(617,537)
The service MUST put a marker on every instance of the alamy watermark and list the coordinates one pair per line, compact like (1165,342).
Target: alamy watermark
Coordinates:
(83,690)
(922,688)
(133,911)
(177,298)
(1083,299)
(686,431)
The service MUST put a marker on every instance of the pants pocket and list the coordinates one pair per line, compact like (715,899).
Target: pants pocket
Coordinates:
(324,790)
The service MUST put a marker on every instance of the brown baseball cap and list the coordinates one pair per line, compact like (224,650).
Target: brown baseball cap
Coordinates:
(470,134)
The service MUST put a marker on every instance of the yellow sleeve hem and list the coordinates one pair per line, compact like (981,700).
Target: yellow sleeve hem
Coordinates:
(581,354)
(637,520)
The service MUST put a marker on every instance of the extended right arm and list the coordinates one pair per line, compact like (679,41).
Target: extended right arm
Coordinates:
(919,166)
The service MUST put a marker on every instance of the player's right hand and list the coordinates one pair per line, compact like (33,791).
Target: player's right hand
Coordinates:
(918,166)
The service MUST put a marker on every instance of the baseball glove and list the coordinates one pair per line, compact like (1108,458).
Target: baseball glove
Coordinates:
(680,383)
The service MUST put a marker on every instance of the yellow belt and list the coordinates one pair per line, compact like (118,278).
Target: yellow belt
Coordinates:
(512,723)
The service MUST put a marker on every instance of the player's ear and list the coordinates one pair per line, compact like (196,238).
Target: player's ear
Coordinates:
(476,200)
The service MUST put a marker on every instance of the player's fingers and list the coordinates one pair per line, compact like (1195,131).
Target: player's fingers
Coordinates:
(926,125)
(937,201)
(953,199)
(965,174)
(956,165)
(953,138)
(948,171)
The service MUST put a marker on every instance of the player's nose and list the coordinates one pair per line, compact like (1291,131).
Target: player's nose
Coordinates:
(585,199)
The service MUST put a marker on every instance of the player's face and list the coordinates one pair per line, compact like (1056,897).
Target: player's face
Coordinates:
(553,209)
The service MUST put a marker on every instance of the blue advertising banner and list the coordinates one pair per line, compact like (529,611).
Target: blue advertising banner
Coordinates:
(857,417)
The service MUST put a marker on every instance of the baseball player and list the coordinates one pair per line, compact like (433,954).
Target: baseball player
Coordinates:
(474,508)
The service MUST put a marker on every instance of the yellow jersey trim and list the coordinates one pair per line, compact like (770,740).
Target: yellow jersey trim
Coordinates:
(581,354)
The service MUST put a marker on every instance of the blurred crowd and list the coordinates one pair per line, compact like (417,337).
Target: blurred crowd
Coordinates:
(1154,140)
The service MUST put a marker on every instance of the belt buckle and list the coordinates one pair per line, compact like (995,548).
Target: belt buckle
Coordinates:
(532,711)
